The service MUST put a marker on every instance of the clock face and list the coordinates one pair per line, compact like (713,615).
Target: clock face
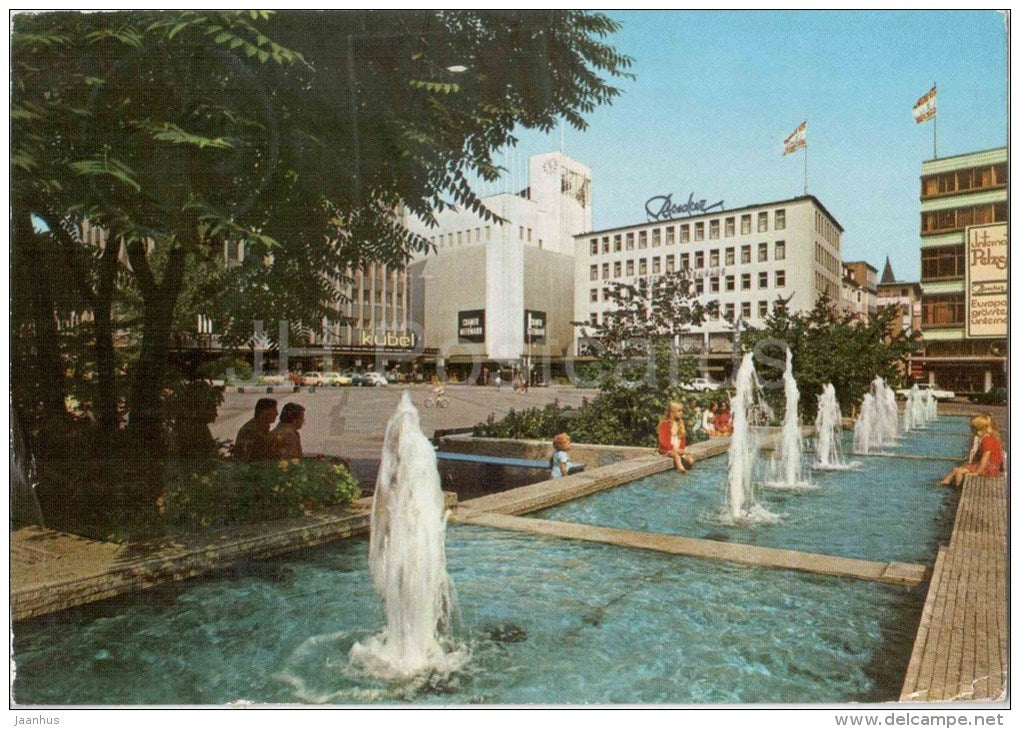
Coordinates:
(550,166)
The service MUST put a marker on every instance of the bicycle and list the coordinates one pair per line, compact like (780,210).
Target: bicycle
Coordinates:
(437,401)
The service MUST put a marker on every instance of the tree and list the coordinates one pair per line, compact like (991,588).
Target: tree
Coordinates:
(304,136)
(637,344)
(829,347)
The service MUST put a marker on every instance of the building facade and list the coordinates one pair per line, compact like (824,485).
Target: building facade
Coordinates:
(964,217)
(741,259)
(500,294)
(865,276)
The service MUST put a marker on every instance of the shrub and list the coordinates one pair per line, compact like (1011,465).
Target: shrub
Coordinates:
(226,368)
(244,493)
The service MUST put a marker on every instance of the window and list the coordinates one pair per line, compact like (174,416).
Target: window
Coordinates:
(946,310)
(763,279)
(974,178)
(594,294)
(617,243)
(731,283)
(713,284)
(642,267)
(605,243)
(594,319)
(521,233)
(763,252)
(657,265)
(699,231)
(942,262)
(630,268)
(630,241)
(656,238)
(605,270)
(488,232)
(714,313)
(699,286)
(594,246)
(685,233)
(745,281)
(745,254)
(730,260)
(594,273)
(763,223)
(731,312)
(642,239)
(685,261)
(670,263)
(730,228)
(780,250)
(713,229)
(670,235)
(780,279)
(745,224)
(460,239)
(745,310)
(763,309)
(699,259)
(944,221)
(478,235)
(781,219)
(617,269)
(713,259)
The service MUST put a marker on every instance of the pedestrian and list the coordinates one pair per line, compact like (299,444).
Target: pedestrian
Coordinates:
(989,460)
(253,441)
(559,462)
(286,438)
(672,437)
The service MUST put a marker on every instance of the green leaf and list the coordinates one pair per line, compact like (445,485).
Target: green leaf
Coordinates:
(263,56)
(222,37)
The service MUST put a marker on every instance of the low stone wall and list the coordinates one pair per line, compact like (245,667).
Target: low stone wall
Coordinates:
(470,480)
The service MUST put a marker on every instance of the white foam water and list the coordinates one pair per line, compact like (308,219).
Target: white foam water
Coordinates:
(786,464)
(407,559)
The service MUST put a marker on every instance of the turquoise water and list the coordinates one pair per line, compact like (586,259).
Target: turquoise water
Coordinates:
(547,621)
(888,509)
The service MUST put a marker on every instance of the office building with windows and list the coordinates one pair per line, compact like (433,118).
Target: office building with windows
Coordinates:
(501,293)
(741,259)
(963,231)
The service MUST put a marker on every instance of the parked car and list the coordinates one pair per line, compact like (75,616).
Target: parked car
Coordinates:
(357,379)
(272,380)
(702,384)
(335,379)
(375,379)
(938,392)
(312,379)
(995,396)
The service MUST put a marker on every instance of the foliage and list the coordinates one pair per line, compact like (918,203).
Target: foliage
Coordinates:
(244,493)
(226,368)
(828,347)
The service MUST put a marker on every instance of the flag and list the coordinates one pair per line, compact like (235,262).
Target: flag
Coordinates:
(796,140)
(925,109)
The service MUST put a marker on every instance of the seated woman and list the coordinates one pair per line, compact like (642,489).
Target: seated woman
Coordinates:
(286,438)
(724,421)
(989,459)
(673,437)
(708,420)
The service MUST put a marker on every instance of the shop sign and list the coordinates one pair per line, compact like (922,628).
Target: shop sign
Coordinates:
(986,288)
(471,326)
(534,327)
(662,207)
(386,340)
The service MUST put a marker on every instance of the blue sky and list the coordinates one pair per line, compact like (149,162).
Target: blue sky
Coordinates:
(717,92)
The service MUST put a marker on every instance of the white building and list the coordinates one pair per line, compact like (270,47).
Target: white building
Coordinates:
(743,259)
(471,297)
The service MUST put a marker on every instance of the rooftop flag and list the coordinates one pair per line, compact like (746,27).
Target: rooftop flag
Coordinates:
(796,140)
(925,109)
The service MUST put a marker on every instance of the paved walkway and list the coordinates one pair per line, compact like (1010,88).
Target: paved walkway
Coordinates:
(960,652)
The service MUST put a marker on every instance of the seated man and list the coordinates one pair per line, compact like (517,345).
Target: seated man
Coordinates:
(254,442)
(286,438)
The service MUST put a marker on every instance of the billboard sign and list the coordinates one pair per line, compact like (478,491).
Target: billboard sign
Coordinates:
(471,326)
(534,327)
(986,292)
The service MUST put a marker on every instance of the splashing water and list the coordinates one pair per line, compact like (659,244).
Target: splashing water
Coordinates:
(786,465)
(747,407)
(864,426)
(407,558)
(828,426)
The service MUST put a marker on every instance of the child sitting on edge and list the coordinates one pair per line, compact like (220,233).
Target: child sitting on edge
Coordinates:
(673,437)
(989,459)
(724,421)
(559,463)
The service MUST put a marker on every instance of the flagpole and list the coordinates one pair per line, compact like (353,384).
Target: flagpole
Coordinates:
(935,126)
(805,168)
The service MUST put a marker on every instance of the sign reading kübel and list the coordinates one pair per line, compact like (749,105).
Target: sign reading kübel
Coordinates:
(986,293)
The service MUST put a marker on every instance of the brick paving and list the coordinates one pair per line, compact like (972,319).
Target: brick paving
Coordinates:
(960,652)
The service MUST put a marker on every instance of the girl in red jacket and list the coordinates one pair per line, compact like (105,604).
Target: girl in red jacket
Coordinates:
(989,459)
(673,437)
